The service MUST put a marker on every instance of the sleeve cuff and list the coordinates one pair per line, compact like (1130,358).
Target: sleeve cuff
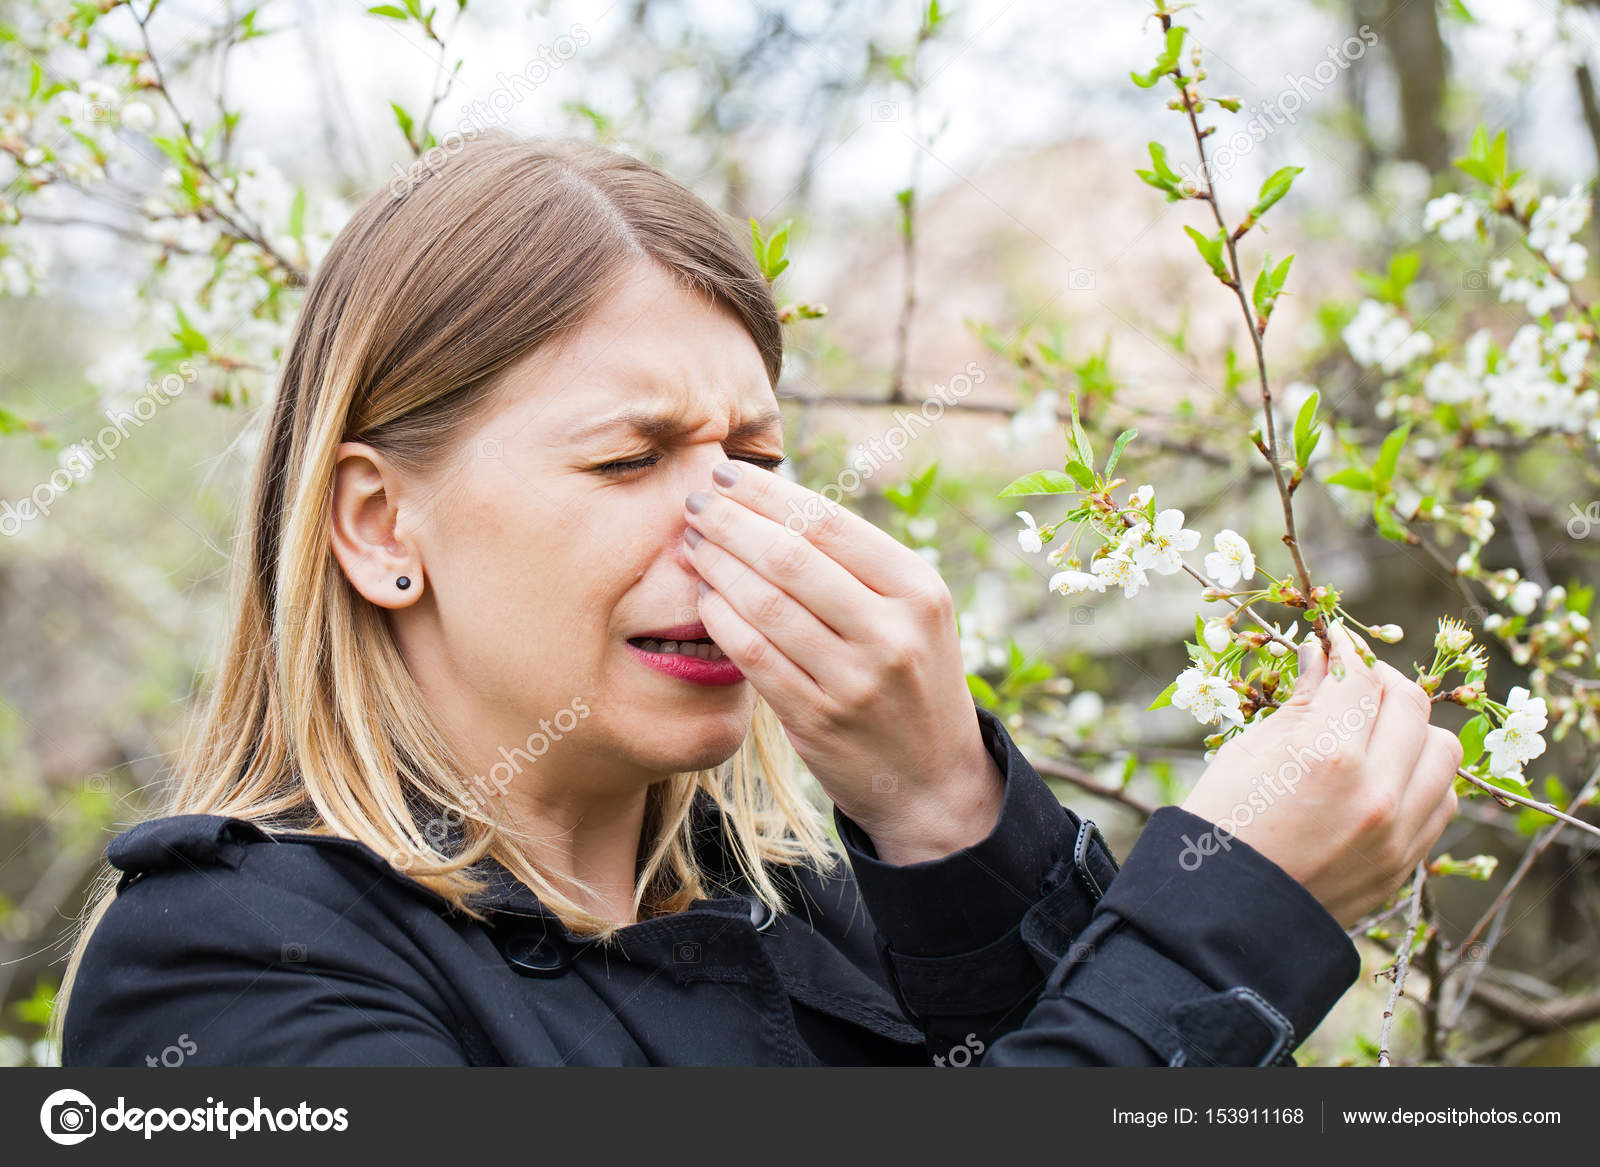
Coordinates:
(1273,938)
(971,898)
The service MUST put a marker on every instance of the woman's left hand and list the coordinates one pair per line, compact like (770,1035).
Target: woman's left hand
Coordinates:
(851,637)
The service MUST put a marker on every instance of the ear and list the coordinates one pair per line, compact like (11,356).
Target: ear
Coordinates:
(365,528)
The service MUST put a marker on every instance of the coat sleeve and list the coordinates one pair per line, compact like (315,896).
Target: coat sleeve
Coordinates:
(202,966)
(1032,946)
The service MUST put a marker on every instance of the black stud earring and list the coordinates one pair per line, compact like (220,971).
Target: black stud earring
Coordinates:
(403,582)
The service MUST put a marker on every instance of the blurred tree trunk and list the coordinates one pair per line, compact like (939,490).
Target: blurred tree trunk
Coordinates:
(1415,49)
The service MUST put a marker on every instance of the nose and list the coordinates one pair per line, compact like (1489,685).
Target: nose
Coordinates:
(692,472)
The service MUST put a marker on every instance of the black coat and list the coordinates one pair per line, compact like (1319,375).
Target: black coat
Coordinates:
(228,945)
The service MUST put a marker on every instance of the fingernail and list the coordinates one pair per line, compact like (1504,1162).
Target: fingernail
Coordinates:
(696,502)
(703,587)
(692,537)
(726,474)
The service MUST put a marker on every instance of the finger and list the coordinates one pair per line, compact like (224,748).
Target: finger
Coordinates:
(1433,778)
(1397,738)
(871,555)
(1313,667)
(1351,703)
(792,629)
(787,561)
(1427,838)
(784,685)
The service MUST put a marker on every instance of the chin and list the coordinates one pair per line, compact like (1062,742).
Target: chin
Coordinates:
(685,739)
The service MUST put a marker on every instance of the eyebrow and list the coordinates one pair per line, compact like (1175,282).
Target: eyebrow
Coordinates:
(662,425)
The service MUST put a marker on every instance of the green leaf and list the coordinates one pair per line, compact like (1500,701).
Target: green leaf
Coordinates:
(1269,286)
(982,690)
(187,335)
(1389,456)
(297,214)
(1117,447)
(1210,248)
(35,79)
(11,423)
(1307,432)
(1354,477)
(1039,482)
(1082,474)
(1161,175)
(388,10)
(1080,440)
(402,119)
(1276,186)
(1166,62)
(1389,527)
(1164,698)
(1472,735)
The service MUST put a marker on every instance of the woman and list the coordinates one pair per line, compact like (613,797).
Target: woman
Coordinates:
(516,518)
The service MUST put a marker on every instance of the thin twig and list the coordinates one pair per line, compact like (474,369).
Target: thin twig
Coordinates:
(1544,807)
(1402,960)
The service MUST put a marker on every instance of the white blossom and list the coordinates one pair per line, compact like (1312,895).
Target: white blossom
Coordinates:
(1525,597)
(1517,742)
(1029,537)
(1452,216)
(1072,583)
(1232,560)
(1557,220)
(1031,422)
(1449,384)
(77,460)
(1208,699)
(1161,547)
(138,117)
(1120,570)
(1217,635)
(1379,335)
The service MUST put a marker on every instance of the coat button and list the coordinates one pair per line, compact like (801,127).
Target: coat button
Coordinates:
(760,914)
(535,954)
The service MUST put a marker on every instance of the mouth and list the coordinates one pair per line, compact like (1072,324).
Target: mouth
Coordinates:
(681,640)
(703,647)
(686,653)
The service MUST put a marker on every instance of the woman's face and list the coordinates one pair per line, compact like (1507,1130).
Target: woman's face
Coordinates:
(556,536)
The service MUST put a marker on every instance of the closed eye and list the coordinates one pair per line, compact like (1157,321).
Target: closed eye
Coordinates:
(630,465)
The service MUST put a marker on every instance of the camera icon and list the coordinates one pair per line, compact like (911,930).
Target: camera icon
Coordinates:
(294,954)
(490,448)
(1477,950)
(885,111)
(97,111)
(885,784)
(1080,279)
(96,783)
(1080,953)
(1474,614)
(1082,614)
(68,1117)
(1475,280)
(686,952)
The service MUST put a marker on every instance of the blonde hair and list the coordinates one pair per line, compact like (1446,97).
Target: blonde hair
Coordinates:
(313,722)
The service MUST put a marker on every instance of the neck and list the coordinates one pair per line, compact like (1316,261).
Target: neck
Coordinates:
(575,838)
